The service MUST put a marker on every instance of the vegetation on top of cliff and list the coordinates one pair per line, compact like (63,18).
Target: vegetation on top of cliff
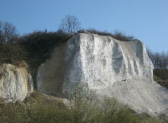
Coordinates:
(40,44)
(8,32)
(69,24)
(117,34)
(36,47)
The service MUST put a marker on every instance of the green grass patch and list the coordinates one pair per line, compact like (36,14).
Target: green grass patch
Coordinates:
(156,78)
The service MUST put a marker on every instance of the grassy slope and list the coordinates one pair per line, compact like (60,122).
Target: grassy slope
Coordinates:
(39,108)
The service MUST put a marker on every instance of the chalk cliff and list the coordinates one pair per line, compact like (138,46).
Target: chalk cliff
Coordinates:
(15,83)
(107,66)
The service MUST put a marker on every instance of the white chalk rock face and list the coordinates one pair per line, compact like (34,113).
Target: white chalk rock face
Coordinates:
(120,69)
(15,83)
(102,61)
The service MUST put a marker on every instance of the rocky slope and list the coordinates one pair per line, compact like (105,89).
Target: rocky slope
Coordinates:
(107,66)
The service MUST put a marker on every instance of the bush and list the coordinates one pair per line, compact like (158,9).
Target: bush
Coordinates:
(163,83)
(36,109)
(161,73)
(117,34)
(122,37)
(39,46)
(12,53)
(87,108)
(39,108)
(156,78)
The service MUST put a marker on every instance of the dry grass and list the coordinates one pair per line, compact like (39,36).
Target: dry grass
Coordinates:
(39,108)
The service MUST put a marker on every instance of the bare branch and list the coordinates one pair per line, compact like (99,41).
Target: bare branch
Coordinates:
(69,24)
(7,32)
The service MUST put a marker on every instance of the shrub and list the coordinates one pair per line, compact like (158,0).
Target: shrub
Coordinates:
(12,53)
(156,78)
(39,46)
(39,108)
(161,73)
(87,108)
(122,37)
(117,34)
(36,109)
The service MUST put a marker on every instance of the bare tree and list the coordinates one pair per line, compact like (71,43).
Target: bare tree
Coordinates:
(159,60)
(69,24)
(7,32)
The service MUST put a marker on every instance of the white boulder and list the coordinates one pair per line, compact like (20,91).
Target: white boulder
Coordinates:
(15,83)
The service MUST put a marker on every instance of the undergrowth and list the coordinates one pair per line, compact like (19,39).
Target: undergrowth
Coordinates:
(156,78)
(39,108)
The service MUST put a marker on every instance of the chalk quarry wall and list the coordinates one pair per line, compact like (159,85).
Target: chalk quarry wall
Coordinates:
(15,83)
(109,67)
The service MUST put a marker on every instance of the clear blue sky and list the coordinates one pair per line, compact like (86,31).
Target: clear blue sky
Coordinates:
(147,20)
